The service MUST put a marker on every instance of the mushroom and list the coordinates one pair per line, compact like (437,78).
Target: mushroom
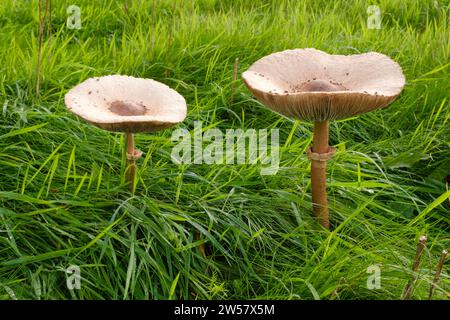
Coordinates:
(126,104)
(312,85)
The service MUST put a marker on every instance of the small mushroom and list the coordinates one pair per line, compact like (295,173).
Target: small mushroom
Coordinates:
(375,82)
(127,104)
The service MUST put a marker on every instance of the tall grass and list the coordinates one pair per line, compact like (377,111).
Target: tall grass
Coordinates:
(45,18)
(63,200)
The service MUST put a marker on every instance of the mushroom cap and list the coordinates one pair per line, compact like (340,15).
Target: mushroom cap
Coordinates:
(126,104)
(310,84)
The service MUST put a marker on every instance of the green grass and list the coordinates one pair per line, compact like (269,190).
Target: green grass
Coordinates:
(63,200)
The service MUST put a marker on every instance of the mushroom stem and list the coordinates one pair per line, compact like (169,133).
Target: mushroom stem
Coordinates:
(131,160)
(318,173)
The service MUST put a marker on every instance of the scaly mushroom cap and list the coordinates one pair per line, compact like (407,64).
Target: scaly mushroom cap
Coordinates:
(313,85)
(126,104)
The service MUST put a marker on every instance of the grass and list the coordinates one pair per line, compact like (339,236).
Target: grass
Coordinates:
(63,200)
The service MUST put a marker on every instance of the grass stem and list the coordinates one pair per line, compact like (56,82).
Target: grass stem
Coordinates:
(235,77)
(419,251)
(437,274)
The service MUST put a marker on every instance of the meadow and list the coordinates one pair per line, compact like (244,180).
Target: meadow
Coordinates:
(210,231)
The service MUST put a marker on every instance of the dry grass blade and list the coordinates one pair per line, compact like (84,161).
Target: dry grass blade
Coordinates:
(235,76)
(42,22)
(437,275)
(419,251)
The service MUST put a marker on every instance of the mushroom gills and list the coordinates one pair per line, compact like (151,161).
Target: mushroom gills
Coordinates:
(124,108)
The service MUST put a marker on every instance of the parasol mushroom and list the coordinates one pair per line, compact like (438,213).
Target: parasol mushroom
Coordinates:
(126,104)
(312,85)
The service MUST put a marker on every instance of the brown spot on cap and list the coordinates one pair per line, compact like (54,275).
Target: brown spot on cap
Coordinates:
(127,109)
(319,86)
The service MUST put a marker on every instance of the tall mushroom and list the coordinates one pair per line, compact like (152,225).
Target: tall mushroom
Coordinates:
(126,104)
(312,85)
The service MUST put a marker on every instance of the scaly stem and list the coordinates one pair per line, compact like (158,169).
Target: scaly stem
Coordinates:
(131,161)
(318,174)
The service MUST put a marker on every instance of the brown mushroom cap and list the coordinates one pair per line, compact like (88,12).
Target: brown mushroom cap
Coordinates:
(126,104)
(313,85)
